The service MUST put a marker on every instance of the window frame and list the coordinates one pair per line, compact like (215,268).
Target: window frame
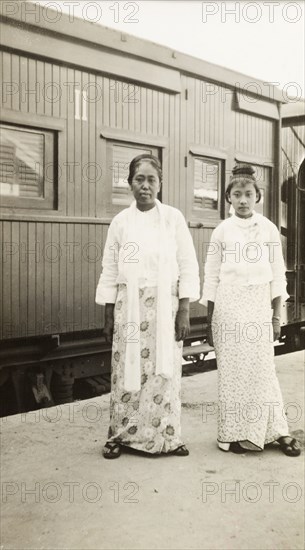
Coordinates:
(219,158)
(49,188)
(49,126)
(112,137)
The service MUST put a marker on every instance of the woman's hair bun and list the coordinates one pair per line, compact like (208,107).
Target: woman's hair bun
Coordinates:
(243,170)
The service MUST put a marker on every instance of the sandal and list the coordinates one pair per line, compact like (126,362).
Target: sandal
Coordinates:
(113,450)
(291,448)
(236,448)
(181,451)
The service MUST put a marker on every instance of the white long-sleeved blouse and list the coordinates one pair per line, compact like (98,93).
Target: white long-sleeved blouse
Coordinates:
(145,249)
(244,252)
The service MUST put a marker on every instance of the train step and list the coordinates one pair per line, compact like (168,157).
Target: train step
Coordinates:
(197,349)
(97,385)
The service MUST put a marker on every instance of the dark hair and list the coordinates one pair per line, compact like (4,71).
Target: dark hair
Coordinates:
(145,157)
(243,174)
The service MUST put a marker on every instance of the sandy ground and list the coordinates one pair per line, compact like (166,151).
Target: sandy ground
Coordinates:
(59,493)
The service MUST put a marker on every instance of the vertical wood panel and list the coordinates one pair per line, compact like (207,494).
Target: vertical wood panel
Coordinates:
(149,112)
(23,85)
(254,136)
(23,277)
(56,91)
(105,110)
(94,163)
(137,109)
(7,80)
(63,268)
(15,76)
(85,171)
(160,111)
(166,115)
(7,279)
(77,157)
(63,82)
(48,86)
(177,161)
(55,259)
(125,117)
(70,148)
(143,109)
(189,132)
(32,263)
(154,112)
(129,97)
(47,274)
(197,113)
(100,153)
(94,260)
(86,252)
(41,80)
(114,100)
(77,277)
(40,267)
(34,87)
(170,184)
(70,275)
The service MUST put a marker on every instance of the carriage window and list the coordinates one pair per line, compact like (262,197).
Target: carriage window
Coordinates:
(26,167)
(119,156)
(206,187)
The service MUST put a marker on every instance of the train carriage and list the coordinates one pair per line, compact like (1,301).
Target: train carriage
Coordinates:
(78,101)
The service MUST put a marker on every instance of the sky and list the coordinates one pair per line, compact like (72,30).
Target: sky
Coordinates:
(262,39)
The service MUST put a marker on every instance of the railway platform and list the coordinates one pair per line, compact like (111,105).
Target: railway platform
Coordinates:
(59,493)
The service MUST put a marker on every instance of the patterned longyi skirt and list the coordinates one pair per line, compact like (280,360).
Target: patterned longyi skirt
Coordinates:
(250,406)
(147,420)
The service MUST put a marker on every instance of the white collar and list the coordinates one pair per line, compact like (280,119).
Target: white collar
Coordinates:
(246,222)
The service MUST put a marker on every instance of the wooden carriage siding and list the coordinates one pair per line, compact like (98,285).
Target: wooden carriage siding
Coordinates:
(179,104)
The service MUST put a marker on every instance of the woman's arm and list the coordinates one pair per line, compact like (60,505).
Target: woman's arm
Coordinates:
(109,323)
(182,324)
(278,283)
(189,282)
(106,291)
(212,268)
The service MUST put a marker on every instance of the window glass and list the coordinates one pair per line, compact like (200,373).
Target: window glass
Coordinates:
(27,168)
(21,163)
(207,175)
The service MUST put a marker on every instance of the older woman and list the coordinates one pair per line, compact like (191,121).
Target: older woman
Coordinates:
(149,276)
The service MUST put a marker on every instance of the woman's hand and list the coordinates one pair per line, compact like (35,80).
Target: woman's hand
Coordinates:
(182,324)
(109,323)
(276,324)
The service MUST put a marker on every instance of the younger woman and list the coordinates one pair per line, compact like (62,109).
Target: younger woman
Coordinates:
(243,289)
